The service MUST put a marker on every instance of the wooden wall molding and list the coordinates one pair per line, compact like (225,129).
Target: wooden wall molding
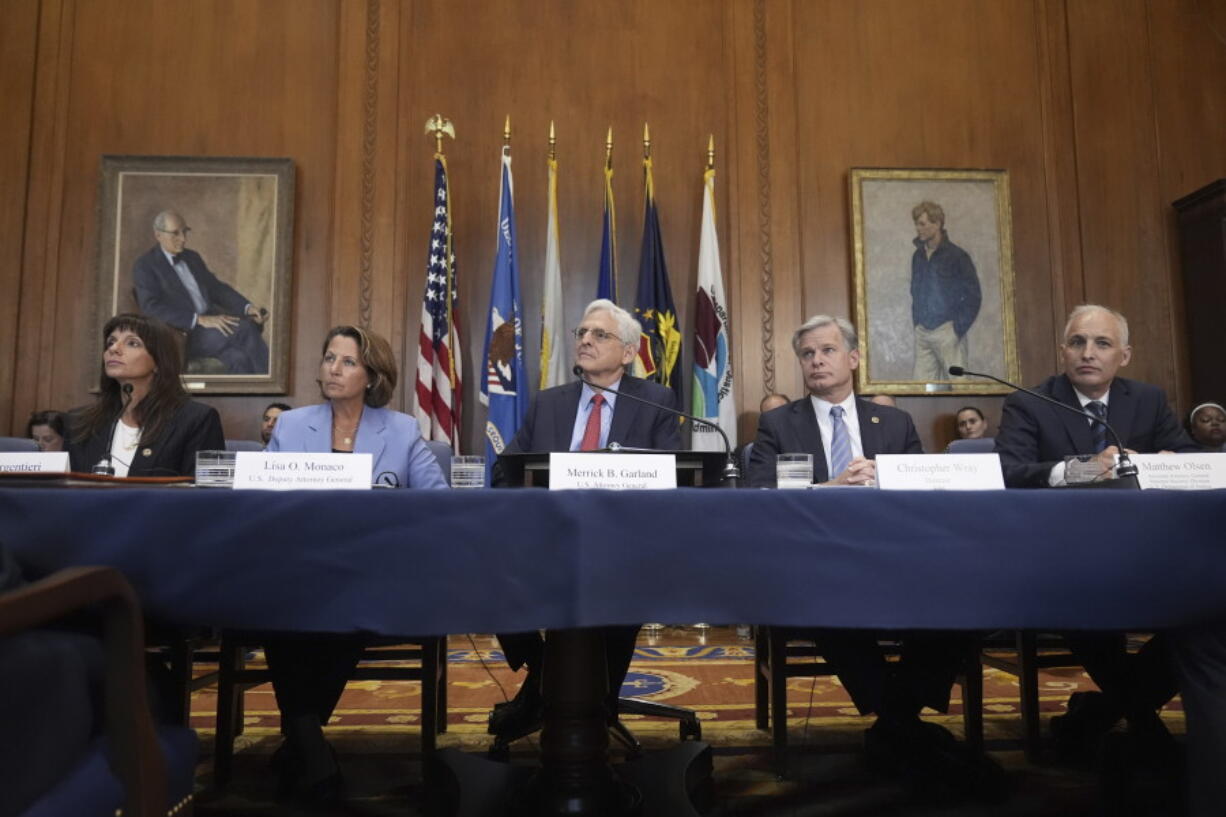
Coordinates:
(762,141)
(369,133)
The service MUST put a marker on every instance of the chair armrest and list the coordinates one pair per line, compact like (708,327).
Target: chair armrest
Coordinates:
(137,760)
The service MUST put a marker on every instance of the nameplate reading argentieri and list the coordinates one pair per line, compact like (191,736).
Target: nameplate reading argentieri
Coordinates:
(1181,472)
(614,472)
(283,471)
(34,462)
(939,472)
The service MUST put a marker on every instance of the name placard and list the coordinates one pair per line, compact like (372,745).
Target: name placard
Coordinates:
(285,471)
(1181,472)
(939,472)
(613,472)
(34,462)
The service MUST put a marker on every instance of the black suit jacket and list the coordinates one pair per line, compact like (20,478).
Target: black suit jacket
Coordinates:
(550,421)
(793,429)
(1034,435)
(194,427)
(160,293)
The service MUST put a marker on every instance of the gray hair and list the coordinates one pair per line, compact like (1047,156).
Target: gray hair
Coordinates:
(628,329)
(1087,309)
(159,221)
(817,322)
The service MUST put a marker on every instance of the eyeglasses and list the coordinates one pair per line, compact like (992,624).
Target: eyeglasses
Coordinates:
(183,232)
(598,335)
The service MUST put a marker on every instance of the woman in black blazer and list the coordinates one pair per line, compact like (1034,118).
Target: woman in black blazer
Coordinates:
(160,428)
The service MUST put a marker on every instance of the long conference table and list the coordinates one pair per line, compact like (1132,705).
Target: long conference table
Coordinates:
(395,562)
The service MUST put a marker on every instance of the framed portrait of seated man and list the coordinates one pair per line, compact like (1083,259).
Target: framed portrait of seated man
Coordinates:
(933,256)
(205,245)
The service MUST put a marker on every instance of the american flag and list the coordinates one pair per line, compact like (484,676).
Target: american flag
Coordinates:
(439,361)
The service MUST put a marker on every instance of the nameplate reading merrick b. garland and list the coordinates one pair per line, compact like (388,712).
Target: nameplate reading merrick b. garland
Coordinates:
(283,471)
(34,462)
(614,472)
(939,472)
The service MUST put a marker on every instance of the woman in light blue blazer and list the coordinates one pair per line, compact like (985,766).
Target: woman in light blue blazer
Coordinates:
(357,376)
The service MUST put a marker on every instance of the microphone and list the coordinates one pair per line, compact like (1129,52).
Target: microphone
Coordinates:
(732,474)
(1125,469)
(104,466)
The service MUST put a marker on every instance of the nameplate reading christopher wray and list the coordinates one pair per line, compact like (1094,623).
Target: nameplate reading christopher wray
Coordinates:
(283,471)
(939,472)
(1181,472)
(612,472)
(34,462)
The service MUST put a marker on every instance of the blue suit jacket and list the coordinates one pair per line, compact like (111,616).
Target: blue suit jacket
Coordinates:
(393,438)
(1034,435)
(793,429)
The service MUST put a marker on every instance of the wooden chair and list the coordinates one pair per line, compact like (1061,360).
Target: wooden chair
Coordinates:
(135,767)
(775,645)
(1025,665)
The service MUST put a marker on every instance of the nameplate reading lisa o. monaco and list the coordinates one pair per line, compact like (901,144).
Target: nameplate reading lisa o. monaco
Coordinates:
(939,472)
(283,471)
(34,462)
(1181,472)
(613,472)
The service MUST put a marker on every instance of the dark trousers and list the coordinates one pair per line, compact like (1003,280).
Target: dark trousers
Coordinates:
(243,352)
(923,675)
(1200,657)
(1130,683)
(528,649)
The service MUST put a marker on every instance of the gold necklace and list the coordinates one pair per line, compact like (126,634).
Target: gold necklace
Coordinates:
(345,435)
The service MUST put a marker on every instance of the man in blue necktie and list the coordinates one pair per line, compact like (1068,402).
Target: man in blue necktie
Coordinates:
(843,434)
(223,328)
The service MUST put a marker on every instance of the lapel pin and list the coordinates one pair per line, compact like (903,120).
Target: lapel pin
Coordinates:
(148,452)
(874,419)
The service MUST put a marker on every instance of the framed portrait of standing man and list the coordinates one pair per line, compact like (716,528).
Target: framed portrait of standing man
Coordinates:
(204,244)
(933,279)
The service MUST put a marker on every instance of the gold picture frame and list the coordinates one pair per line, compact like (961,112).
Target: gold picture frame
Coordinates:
(240,212)
(899,293)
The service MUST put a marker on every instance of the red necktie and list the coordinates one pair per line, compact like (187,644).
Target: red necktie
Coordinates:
(591,434)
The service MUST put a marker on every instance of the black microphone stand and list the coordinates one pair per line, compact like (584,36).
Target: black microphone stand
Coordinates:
(1125,470)
(732,474)
(104,467)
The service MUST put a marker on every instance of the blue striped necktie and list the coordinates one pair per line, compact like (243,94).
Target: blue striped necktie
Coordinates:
(840,443)
(1098,428)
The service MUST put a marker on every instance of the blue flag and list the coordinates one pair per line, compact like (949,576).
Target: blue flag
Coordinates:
(659,356)
(504,383)
(606,284)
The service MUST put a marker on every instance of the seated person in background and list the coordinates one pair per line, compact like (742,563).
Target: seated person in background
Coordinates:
(970,424)
(883,400)
(843,434)
(1207,425)
(268,421)
(576,417)
(47,429)
(1033,439)
(160,428)
(357,375)
(773,401)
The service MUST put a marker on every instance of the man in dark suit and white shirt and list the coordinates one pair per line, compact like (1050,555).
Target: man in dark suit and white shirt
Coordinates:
(576,417)
(843,434)
(1033,439)
(174,284)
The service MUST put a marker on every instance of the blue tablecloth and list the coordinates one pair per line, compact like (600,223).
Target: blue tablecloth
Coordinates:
(397,562)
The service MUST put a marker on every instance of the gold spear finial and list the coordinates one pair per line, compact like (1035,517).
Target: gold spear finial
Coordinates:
(506,135)
(608,149)
(646,142)
(438,125)
(553,143)
(711,152)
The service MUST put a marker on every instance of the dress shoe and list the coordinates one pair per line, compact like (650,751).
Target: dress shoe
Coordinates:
(520,716)
(932,761)
(1076,734)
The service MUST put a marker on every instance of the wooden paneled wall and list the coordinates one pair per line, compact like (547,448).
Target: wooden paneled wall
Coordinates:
(1104,111)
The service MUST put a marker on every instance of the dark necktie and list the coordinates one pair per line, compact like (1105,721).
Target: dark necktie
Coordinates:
(1098,428)
(591,432)
(176,258)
